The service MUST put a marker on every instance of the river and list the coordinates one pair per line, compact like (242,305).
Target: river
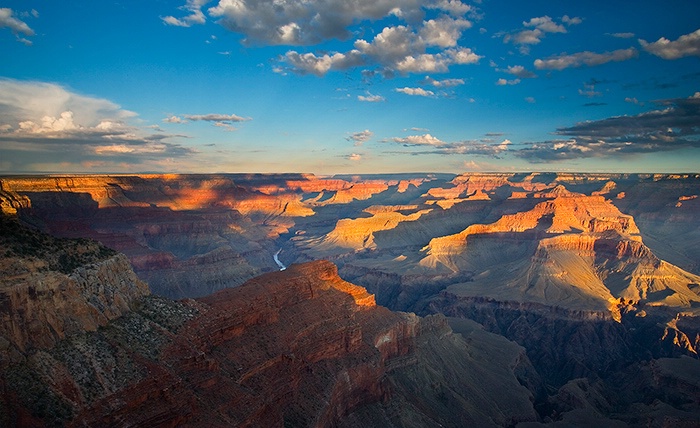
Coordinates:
(277,260)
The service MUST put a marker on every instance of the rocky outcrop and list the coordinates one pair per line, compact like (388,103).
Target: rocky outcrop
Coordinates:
(300,347)
(51,288)
(357,234)
(41,308)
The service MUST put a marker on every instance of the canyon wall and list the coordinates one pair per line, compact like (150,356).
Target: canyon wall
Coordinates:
(594,275)
(300,347)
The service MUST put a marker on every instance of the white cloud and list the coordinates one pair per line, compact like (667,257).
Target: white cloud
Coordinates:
(530,100)
(301,22)
(575,20)
(360,137)
(445,83)
(29,100)
(415,91)
(212,117)
(520,71)
(560,62)
(437,146)
(354,157)
(50,124)
(633,101)
(195,17)
(17,26)
(545,24)
(224,121)
(419,140)
(309,63)
(46,124)
(454,7)
(536,29)
(174,119)
(671,127)
(686,45)
(398,48)
(443,32)
(369,98)
(503,82)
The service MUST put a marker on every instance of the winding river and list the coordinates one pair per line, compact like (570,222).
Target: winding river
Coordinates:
(277,260)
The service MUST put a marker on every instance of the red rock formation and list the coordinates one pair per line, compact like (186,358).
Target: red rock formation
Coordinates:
(300,347)
(38,308)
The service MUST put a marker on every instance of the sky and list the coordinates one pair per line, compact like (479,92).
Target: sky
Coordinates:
(349,86)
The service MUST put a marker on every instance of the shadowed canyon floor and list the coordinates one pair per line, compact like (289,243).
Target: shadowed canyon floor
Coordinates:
(577,294)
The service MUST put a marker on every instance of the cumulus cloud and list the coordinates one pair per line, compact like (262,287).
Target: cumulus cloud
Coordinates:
(453,7)
(437,146)
(671,127)
(360,137)
(560,62)
(415,91)
(399,48)
(174,119)
(310,63)
(686,45)
(354,157)
(300,22)
(195,15)
(17,26)
(46,123)
(520,71)
(445,83)
(546,24)
(536,29)
(443,32)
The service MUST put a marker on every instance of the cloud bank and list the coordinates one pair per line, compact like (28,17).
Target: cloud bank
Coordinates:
(674,126)
(43,125)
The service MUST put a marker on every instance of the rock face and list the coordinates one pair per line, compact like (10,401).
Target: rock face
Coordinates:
(573,251)
(594,275)
(295,348)
(52,288)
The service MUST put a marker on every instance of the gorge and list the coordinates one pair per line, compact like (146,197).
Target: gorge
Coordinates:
(577,296)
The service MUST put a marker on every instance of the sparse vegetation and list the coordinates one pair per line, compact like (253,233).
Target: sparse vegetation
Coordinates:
(62,254)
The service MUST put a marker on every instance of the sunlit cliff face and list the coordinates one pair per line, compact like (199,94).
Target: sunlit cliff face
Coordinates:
(511,236)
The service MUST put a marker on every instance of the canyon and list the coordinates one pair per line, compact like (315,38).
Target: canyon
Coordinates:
(576,295)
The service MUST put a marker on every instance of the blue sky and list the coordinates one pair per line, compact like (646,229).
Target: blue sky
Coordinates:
(337,86)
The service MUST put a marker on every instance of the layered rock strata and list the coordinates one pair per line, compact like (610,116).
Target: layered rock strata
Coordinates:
(295,348)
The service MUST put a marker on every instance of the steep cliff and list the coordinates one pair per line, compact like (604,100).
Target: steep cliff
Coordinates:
(296,348)
(51,288)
